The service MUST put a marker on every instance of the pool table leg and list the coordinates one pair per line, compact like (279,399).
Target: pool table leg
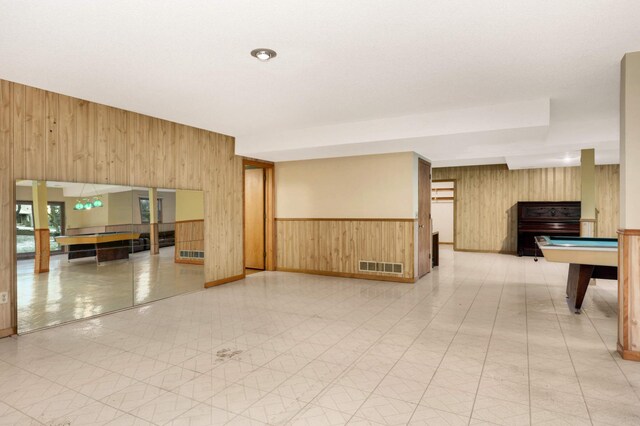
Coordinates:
(577,284)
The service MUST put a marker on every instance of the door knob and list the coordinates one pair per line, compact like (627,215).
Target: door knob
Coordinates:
(420,226)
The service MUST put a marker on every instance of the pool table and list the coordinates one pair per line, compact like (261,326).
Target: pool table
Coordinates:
(587,257)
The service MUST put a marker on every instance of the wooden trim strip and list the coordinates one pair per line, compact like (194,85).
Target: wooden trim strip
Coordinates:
(343,219)
(257,163)
(189,261)
(189,221)
(632,232)
(484,251)
(628,355)
(589,220)
(6,332)
(224,281)
(349,275)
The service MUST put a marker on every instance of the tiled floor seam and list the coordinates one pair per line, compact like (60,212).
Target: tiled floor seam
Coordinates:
(635,389)
(546,282)
(334,381)
(301,368)
(488,346)
(431,320)
(382,336)
(526,321)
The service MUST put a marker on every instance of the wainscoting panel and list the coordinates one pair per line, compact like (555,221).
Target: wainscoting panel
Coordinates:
(486,218)
(48,136)
(335,246)
(189,237)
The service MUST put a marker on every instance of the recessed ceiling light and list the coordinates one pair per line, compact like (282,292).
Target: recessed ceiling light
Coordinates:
(263,54)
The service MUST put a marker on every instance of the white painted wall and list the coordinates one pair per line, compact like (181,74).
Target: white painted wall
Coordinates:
(370,186)
(442,211)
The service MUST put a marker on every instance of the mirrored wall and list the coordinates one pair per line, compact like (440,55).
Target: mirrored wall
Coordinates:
(87,249)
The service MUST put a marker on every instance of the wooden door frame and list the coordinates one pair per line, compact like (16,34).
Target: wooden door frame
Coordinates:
(455,204)
(430,233)
(269,208)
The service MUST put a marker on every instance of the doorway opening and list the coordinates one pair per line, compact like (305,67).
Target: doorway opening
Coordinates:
(443,206)
(259,216)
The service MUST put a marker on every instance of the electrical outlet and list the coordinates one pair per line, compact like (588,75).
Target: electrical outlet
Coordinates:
(4,297)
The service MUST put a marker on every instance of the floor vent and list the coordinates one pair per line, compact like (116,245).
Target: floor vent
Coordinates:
(386,267)
(192,254)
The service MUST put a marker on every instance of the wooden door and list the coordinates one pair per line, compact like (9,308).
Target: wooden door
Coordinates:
(254,252)
(424,218)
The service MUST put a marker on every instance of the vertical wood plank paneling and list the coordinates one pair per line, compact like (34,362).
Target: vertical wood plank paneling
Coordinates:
(118,147)
(336,246)
(485,197)
(182,153)
(44,135)
(67,136)
(7,205)
(102,148)
(84,144)
(155,154)
(608,200)
(34,143)
(18,123)
(167,161)
(52,136)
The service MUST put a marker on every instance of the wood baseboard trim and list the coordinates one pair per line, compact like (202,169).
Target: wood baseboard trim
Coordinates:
(628,355)
(6,332)
(190,261)
(342,219)
(224,281)
(485,251)
(349,275)
(445,243)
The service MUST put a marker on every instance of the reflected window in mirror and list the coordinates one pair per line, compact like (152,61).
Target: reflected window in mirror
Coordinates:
(145,210)
(25,239)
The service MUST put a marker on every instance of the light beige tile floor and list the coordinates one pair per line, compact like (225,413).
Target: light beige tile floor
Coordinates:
(81,289)
(484,339)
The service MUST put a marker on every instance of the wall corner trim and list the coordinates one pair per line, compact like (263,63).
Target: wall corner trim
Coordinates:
(8,332)
(224,281)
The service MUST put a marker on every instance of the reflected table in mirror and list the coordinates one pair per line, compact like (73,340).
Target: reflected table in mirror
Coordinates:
(105,247)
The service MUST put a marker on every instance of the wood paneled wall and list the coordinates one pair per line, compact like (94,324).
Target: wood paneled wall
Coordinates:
(47,136)
(334,247)
(608,200)
(486,219)
(189,235)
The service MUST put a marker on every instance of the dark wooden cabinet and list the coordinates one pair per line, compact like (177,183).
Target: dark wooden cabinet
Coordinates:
(545,218)
(435,249)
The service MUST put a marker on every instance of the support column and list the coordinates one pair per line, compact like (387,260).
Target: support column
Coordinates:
(40,227)
(588,193)
(629,232)
(153,221)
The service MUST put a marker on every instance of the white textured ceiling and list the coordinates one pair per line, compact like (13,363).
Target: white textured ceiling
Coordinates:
(343,65)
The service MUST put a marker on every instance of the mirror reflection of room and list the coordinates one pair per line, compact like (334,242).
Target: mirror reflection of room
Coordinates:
(171,223)
(87,249)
